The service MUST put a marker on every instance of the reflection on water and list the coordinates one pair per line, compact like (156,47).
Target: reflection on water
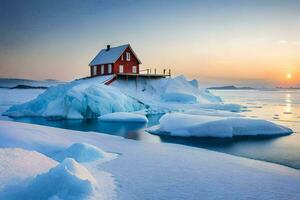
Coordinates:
(128,130)
(279,106)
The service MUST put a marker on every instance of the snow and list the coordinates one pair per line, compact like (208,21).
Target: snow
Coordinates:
(105,57)
(124,117)
(18,164)
(172,94)
(79,99)
(147,170)
(188,125)
(90,98)
(67,180)
(81,152)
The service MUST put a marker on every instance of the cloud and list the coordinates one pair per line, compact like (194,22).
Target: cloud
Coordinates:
(287,42)
(282,42)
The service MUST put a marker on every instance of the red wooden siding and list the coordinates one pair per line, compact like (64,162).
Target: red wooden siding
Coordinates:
(127,64)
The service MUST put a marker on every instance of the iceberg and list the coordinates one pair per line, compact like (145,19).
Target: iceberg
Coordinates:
(76,100)
(91,98)
(191,125)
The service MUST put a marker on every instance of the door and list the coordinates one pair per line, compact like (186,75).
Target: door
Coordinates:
(134,69)
(121,69)
(109,68)
(102,69)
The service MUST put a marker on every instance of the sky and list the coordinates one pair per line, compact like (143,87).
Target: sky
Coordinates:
(219,42)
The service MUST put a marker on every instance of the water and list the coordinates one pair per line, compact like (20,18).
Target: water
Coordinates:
(280,106)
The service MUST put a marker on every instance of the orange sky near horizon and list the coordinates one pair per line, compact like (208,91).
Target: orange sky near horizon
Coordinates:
(243,43)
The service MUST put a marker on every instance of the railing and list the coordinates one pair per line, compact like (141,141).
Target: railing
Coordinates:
(148,71)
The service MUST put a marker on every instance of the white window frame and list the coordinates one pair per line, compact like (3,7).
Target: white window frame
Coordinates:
(109,70)
(102,69)
(121,67)
(94,70)
(134,69)
(128,56)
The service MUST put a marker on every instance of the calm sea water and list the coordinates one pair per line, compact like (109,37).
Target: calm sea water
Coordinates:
(280,106)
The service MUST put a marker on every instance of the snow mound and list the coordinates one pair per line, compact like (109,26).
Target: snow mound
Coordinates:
(124,117)
(173,90)
(77,100)
(68,180)
(81,152)
(18,164)
(181,90)
(187,125)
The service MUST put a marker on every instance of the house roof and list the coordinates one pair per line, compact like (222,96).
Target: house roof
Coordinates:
(111,56)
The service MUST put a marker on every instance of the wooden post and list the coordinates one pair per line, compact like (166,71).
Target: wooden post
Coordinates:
(155,71)
(170,72)
(164,71)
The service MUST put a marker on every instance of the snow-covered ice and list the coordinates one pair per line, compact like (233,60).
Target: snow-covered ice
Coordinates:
(124,117)
(187,125)
(77,100)
(68,180)
(81,152)
(150,170)
(90,98)
(17,164)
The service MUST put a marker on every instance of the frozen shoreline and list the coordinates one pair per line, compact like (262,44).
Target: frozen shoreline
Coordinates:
(151,171)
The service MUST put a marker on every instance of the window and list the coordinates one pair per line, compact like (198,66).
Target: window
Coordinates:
(134,69)
(102,69)
(121,69)
(127,56)
(94,73)
(109,68)
(122,57)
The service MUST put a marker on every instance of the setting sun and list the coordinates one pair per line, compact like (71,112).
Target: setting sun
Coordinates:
(288,76)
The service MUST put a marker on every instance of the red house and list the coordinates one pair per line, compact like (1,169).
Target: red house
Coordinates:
(115,60)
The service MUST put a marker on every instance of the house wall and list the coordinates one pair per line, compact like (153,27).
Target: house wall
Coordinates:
(99,70)
(127,64)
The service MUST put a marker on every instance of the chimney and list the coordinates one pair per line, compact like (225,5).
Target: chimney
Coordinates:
(107,47)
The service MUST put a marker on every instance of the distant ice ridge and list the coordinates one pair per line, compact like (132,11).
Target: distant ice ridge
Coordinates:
(220,125)
(90,98)
(13,82)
